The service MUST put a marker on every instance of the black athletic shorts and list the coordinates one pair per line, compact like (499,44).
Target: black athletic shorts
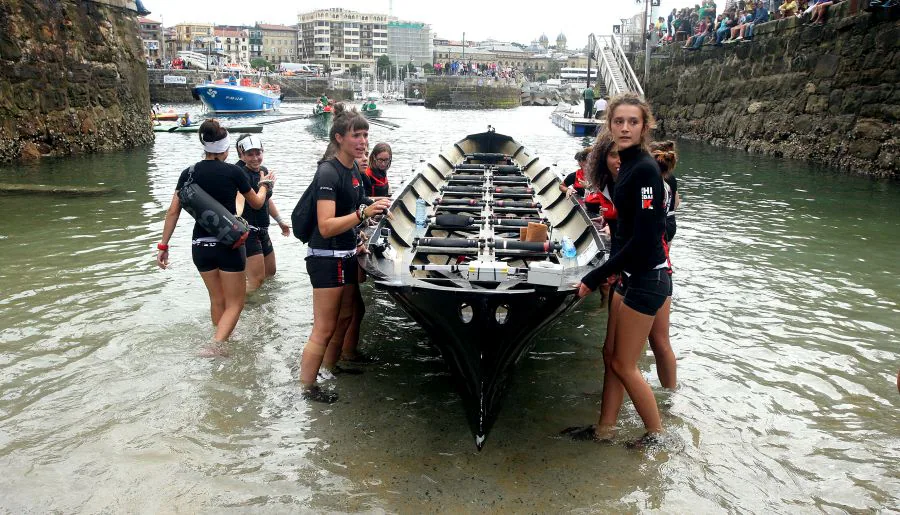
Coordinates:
(259,242)
(332,272)
(646,292)
(208,255)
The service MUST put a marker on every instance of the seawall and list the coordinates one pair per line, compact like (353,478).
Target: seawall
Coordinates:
(470,93)
(827,94)
(72,78)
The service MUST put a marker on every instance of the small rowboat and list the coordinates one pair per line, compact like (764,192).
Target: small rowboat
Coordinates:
(194,128)
(166,117)
(478,290)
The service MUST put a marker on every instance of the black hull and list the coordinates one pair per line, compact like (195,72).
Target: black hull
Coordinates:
(482,353)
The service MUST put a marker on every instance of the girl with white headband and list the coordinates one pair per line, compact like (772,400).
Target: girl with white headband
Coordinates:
(221,267)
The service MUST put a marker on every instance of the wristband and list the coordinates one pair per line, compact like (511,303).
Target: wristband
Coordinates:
(162,246)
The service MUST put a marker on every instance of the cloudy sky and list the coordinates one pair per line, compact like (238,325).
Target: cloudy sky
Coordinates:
(480,19)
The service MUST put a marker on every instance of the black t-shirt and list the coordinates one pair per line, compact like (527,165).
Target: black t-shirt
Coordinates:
(344,186)
(256,217)
(641,218)
(222,181)
(673,185)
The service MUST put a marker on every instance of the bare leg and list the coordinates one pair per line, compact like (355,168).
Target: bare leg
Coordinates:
(256,272)
(662,346)
(345,315)
(235,287)
(632,330)
(613,391)
(270,264)
(216,294)
(326,307)
(351,336)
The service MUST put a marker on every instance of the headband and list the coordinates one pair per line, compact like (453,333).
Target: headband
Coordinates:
(216,147)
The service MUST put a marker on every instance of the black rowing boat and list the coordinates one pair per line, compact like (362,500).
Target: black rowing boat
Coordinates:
(478,290)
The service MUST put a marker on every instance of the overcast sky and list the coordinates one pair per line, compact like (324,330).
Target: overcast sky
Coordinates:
(480,19)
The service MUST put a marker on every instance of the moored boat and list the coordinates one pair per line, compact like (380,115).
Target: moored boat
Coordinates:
(238,97)
(479,291)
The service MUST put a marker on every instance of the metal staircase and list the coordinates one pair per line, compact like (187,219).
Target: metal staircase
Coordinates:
(616,74)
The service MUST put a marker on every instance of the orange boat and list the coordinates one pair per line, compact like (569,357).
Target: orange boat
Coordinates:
(166,117)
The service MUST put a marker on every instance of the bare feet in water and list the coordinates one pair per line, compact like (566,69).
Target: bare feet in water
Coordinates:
(214,350)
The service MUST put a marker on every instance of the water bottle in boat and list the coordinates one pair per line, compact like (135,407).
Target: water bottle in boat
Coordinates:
(421,217)
(568,252)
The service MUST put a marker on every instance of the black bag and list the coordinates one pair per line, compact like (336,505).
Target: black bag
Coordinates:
(303,218)
(211,215)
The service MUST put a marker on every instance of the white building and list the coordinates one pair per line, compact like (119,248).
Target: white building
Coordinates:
(341,39)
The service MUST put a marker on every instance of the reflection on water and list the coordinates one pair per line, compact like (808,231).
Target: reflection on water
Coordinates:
(785,323)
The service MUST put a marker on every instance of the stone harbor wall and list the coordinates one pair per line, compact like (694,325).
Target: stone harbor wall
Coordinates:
(293,88)
(72,78)
(541,95)
(827,94)
(470,93)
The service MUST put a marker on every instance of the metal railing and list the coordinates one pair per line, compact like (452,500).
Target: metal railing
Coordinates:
(631,79)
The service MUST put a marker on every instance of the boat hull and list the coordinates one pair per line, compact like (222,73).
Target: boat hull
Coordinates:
(226,98)
(481,353)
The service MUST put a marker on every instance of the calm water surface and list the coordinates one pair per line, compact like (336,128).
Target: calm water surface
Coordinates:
(785,322)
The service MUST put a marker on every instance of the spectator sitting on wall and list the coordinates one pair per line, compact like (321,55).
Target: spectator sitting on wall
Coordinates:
(760,15)
(696,40)
(820,10)
(788,8)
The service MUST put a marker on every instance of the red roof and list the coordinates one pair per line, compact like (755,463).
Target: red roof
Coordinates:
(146,20)
(227,33)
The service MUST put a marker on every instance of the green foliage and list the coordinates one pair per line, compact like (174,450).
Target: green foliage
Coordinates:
(259,62)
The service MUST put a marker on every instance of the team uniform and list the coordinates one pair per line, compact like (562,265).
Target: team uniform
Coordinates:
(638,240)
(222,181)
(376,183)
(259,241)
(671,227)
(331,262)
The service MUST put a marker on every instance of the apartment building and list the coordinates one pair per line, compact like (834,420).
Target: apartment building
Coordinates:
(340,39)
(410,42)
(194,36)
(234,44)
(279,43)
(152,38)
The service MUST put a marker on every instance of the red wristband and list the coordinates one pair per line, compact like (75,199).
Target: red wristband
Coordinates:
(162,246)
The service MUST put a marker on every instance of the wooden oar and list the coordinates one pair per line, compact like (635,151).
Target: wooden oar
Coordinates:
(288,119)
(51,189)
(392,127)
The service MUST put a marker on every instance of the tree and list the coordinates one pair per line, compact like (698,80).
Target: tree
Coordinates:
(553,68)
(355,71)
(385,67)
(259,62)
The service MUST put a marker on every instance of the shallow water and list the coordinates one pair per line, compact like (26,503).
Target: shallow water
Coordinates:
(785,322)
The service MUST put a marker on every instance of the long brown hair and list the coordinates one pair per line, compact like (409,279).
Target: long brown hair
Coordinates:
(597,172)
(632,99)
(343,121)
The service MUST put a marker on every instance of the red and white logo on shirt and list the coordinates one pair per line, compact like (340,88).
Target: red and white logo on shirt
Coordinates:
(647,197)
